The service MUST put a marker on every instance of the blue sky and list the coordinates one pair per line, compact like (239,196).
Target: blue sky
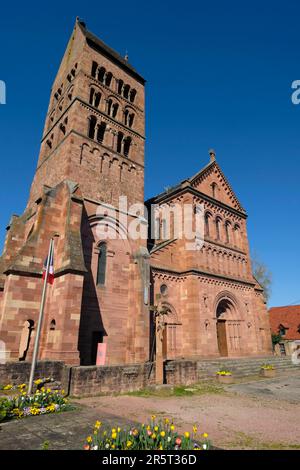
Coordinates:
(218,75)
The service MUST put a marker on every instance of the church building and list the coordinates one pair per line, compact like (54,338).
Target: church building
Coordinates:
(92,154)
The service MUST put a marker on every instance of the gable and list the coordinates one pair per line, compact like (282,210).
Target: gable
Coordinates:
(212,182)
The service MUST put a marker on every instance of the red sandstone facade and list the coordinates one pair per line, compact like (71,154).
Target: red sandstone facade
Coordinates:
(92,152)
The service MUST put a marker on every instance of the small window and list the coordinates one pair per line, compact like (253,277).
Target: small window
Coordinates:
(94,69)
(126,91)
(101,74)
(282,331)
(120,86)
(53,325)
(101,132)
(164,289)
(127,145)
(132,96)
(108,79)
(92,127)
(120,142)
(101,271)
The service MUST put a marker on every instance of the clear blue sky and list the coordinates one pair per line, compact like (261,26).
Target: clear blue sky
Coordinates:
(219,75)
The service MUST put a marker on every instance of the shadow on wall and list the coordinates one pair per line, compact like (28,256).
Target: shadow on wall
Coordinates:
(91,330)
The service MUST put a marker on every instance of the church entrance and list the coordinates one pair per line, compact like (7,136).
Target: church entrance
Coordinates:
(228,334)
(221,337)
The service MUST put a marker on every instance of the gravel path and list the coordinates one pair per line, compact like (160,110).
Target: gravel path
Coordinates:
(263,414)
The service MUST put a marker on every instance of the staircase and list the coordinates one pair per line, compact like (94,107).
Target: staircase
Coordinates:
(243,367)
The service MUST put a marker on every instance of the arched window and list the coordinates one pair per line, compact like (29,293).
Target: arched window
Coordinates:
(109,107)
(126,115)
(236,232)
(120,86)
(115,110)
(120,142)
(207,224)
(132,96)
(101,74)
(92,127)
(214,189)
(108,79)
(218,228)
(101,268)
(53,325)
(95,98)
(131,120)
(126,91)
(94,69)
(227,231)
(127,144)
(101,132)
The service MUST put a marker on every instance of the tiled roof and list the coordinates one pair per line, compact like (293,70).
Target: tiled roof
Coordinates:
(289,318)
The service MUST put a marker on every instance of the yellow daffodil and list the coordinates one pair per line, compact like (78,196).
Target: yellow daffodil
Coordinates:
(172,427)
(156,428)
(167,421)
(153,417)
(163,434)
(129,444)
(114,435)
(153,436)
(119,429)
(89,439)
(195,429)
(187,435)
(205,435)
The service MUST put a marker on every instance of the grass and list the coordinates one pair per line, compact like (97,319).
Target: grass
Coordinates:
(245,441)
(179,391)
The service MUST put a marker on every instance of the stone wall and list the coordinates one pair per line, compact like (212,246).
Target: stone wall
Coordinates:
(18,372)
(93,381)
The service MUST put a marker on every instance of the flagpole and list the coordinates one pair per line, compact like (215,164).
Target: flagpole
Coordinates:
(41,316)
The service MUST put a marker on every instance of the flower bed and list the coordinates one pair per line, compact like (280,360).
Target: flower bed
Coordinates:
(20,404)
(225,376)
(267,370)
(157,435)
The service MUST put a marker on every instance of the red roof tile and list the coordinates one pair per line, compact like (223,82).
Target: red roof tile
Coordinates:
(289,318)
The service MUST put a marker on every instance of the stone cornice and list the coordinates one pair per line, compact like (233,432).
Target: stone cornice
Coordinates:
(197,272)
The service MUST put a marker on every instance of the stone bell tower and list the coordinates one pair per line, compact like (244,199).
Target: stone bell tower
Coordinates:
(92,153)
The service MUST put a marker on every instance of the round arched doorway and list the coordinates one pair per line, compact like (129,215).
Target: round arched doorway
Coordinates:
(225,311)
(172,333)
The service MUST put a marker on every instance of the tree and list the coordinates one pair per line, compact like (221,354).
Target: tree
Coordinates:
(263,276)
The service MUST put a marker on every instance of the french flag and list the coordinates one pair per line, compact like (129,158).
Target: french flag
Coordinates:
(50,279)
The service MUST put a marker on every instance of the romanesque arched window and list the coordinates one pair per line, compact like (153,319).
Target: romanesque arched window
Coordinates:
(94,69)
(108,79)
(120,142)
(131,120)
(132,96)
(214,190)
(101,266)
(126,91)
(236,232)
(120,86)
(92,127)
(101,132)
(218,228)
(101,74)
(227,231)
(127,145)
(207,224)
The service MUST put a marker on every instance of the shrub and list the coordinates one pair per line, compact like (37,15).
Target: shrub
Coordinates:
(159,435)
